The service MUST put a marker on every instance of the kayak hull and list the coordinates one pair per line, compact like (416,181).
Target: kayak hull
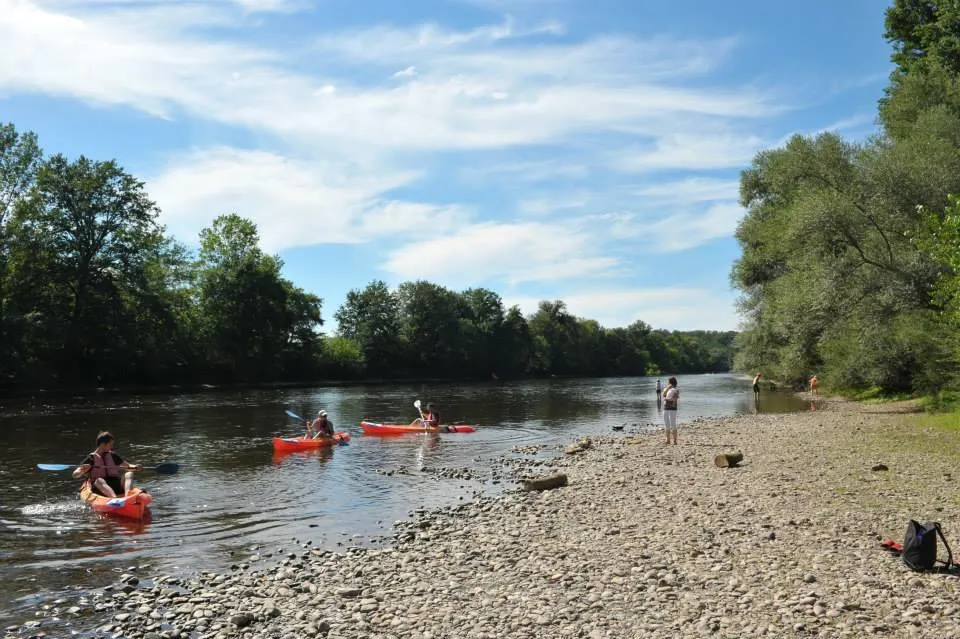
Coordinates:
(375,428)
(134,506)
(289,444)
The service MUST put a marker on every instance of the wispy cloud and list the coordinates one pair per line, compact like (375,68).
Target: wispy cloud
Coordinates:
(505,253)
(691,190)
(690,152)
(674,307)
(294,202)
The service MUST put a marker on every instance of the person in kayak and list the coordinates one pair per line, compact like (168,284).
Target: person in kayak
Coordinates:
(431,418)
(320,427)
(103,467)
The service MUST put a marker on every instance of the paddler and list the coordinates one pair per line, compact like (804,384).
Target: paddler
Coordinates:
(320,427)
(431,418)
(104,468)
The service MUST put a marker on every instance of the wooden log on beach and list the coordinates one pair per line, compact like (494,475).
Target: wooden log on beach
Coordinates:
(545,482)
(728,460)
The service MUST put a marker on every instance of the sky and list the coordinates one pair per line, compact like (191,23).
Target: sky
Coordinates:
(545,149)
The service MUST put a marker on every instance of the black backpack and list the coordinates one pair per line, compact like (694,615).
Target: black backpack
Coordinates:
(920,545)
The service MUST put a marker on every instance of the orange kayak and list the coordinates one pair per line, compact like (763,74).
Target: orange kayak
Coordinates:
(374,428)
(303,443)
(133,506)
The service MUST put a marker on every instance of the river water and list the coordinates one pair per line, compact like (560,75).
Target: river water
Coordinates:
(233,492)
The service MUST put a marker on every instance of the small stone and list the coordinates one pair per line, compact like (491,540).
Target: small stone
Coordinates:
(879,467)
(241,620)
(810,579)
(348,592)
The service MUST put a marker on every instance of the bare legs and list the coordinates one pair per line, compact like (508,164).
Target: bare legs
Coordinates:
(107,491)
(670,425)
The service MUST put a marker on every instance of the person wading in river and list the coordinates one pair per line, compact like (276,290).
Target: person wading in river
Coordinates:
(671,396)
(104,467)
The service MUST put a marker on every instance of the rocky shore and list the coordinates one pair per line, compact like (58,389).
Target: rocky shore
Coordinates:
(645,540)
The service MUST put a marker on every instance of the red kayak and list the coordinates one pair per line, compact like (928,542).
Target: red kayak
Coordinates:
(374,428)
(304,443)
(132,506)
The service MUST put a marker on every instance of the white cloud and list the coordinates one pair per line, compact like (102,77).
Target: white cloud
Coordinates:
(513,253)
(684,231)
(529,171)
(161,61)
(294,203)
(691,190)
(691,152)
(409,72)
(553,203)
(676,308)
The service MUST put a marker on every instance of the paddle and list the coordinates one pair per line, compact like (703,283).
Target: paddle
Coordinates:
(340,441)
(416,404)
(168,468)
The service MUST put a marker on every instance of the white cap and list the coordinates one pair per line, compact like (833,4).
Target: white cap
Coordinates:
(322,413)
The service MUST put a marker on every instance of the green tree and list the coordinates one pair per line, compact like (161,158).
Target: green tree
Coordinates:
(20,157)
(254,321)
(371,319)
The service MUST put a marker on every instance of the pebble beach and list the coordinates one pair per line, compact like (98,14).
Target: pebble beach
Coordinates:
(644,540)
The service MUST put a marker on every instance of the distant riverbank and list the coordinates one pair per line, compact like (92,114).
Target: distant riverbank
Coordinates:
(193,388)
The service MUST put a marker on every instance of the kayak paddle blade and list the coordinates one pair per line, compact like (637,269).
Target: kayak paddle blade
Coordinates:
(168,468)
(294,415)
(416,404)
(55,467)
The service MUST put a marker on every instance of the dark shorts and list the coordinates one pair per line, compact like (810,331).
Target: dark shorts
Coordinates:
(756,388)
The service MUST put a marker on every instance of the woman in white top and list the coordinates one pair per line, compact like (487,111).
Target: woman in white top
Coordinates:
(671,396)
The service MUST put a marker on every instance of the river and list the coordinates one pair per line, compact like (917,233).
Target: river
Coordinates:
(232,493)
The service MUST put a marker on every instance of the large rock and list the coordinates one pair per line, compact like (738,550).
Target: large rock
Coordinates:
(545,482)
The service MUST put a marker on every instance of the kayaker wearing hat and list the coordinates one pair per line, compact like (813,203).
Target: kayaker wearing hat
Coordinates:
(104,467)
(320,427)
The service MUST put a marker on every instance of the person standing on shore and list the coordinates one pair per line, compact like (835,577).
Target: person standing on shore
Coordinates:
(756,388)
(813,386)
(671,396)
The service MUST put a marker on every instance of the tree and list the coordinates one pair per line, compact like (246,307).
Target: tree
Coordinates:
(86,232)
(20,157)
(253,319)
(371,319)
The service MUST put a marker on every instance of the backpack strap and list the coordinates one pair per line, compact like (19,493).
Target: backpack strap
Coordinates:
(949,561)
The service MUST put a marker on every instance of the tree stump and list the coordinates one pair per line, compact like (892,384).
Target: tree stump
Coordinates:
(545,482)
(728,460)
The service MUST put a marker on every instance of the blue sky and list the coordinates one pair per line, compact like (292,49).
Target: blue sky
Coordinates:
(587,151)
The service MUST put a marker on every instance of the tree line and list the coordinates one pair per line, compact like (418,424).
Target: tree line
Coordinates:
(850,263)
(95,292)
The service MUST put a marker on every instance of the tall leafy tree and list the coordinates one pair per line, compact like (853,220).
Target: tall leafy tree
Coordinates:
(371,319)
(251,316)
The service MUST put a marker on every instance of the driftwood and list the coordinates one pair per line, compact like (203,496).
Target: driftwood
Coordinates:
(728,460)
(545,482)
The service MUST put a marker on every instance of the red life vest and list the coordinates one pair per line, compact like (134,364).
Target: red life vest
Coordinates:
(103,466)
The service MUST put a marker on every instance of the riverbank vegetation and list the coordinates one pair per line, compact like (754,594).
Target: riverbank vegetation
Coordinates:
(94,292)
(851,250)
